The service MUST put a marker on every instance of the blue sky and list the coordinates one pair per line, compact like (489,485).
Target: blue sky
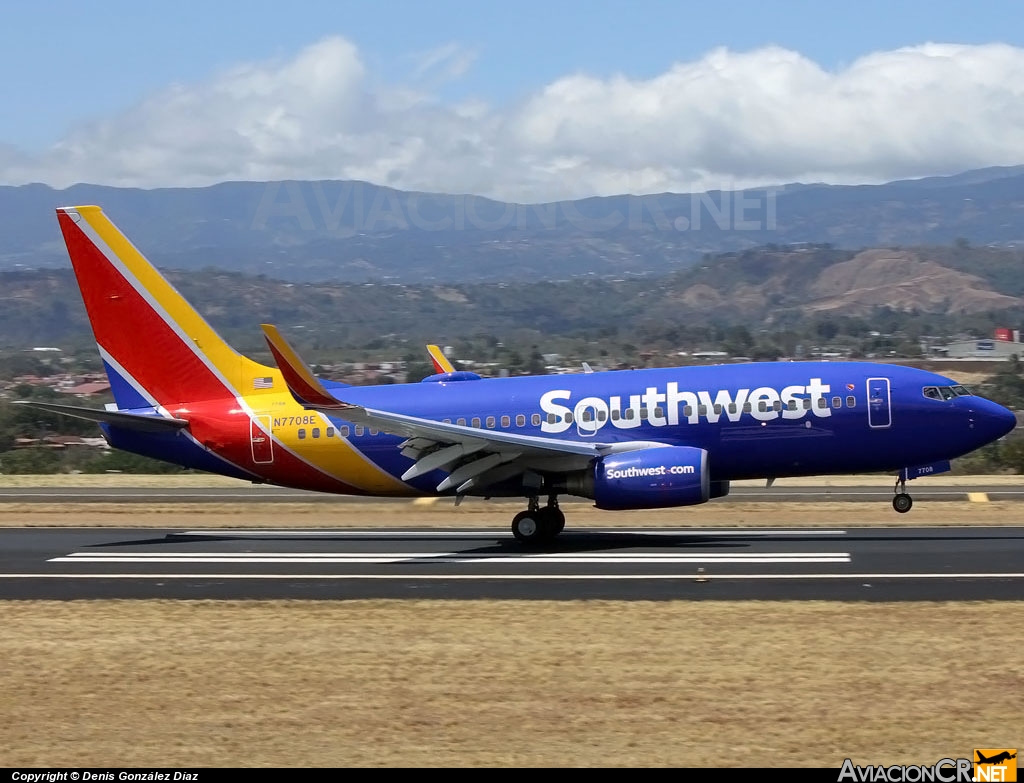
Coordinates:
(72,66)
(75,60)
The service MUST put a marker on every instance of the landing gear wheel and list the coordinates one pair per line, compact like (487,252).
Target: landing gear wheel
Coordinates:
(556,520)
(528,527)
(902,502)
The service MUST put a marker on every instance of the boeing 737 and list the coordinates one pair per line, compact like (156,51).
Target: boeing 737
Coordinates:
(627,439)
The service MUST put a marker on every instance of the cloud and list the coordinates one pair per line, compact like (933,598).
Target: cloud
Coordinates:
(728,119)
(444,63)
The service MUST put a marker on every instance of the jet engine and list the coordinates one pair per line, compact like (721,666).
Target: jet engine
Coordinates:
(657,477)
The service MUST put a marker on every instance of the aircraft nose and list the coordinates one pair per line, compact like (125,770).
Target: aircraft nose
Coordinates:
(991,419)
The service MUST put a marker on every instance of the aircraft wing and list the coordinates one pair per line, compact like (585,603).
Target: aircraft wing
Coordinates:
(476,457)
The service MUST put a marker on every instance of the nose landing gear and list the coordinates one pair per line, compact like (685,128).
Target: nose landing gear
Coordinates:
(901,502)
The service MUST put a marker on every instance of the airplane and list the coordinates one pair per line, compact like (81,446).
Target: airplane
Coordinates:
(996,759)
(626,439)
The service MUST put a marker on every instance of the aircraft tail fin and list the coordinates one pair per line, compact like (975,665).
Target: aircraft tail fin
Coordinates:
(439,360)
(157,350)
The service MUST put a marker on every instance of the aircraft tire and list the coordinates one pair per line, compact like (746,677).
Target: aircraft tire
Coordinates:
(555,521)
(528,527)
(902,502)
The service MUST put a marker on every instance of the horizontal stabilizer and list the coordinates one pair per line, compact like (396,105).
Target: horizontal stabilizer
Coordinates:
(141,422)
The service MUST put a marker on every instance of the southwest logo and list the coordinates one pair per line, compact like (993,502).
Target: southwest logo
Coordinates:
(669,407)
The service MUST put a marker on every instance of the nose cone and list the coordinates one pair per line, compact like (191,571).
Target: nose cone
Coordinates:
(990,419)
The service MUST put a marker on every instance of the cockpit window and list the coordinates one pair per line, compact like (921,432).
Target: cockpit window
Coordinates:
(945,392)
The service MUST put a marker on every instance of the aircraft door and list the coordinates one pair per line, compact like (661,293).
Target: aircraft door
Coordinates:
(879,403)
(261,440)
(587,422)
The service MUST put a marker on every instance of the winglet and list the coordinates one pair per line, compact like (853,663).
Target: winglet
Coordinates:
(303,385)
(441,363)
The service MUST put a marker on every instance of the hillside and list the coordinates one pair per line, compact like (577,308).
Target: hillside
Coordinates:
(768,287)
(358,232)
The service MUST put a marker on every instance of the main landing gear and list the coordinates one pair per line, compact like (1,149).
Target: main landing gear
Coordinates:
(901,501)
(536,524)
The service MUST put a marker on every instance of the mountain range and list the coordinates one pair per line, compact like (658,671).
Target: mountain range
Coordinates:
(349,231)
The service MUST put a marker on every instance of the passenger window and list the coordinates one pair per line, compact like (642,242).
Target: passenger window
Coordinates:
(615,414)
(316,432)
(747,408)
(552,418)
(535,419)
(791,405)
(506,421)
(687,411)
(302,433)
(602,415)
(702,410)
(587,415)
(643,413)
(732,407)
(344,430)
(447,421)
(490,422)
(568,418)
(837,402)
(373,430)
(851,401)
(461,422)
(762,406)
(777,405)
(359,429)
(718,408)
(476,422)
(520,420)
(330,432)
(627,414)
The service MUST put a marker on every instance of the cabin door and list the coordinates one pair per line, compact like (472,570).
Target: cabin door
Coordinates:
(259,437)
(879,403)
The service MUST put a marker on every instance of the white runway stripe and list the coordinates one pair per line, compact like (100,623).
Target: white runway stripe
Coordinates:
(375,558)
(491,533)
(514,577)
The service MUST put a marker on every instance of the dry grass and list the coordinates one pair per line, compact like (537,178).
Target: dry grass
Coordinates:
(428,683)
(490,514)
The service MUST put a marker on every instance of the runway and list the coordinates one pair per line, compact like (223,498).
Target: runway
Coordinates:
(874,564)
(246,493)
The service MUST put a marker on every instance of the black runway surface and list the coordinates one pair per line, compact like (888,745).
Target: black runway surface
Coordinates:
(873,564)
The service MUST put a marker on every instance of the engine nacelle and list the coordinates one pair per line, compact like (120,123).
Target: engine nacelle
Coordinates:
(652,478)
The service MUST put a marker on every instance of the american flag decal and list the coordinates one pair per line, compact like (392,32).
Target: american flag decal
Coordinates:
(263,383)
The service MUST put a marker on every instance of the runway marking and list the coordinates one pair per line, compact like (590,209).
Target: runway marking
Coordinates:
(515,577)
(977,497)
(379,558)
(492,532)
